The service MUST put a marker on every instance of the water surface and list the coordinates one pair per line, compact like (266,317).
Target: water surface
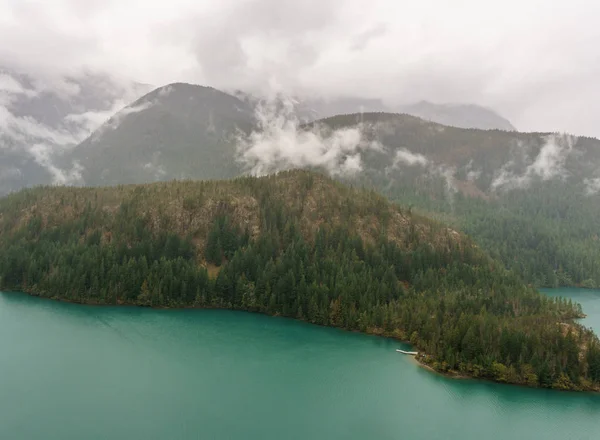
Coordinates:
(84,372)
(589,300)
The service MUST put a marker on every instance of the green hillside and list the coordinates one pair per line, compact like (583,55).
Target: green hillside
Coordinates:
(300,245)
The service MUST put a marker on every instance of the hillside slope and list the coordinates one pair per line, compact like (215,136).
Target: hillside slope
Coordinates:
(300,245)
(176,131)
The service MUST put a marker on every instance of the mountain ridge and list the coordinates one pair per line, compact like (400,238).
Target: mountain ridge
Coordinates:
(208,118)
(459,115)
(538,188)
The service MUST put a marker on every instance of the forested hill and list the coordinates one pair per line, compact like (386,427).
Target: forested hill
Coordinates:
(300,245)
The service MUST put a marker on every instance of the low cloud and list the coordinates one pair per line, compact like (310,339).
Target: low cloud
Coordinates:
(280,143)
(9,84)
(42,155)
(550,161)
(91,120)
(548,164)
(472,174)
(115,120)
(35,122)
(24,129)
(448,174)
(592,186)
(404,156)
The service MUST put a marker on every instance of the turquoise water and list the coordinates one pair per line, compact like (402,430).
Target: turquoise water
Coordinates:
(589,300)
(83,372)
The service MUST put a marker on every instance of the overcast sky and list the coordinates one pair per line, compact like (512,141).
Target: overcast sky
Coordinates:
(534,61)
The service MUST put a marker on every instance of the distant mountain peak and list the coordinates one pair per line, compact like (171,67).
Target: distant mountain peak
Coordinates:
(179,130)
(459,115)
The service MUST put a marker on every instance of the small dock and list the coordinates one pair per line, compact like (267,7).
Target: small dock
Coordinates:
(411,353)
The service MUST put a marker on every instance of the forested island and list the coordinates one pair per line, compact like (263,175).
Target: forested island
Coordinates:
(300,245)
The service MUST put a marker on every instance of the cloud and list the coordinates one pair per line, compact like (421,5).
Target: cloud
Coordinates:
(534,64)
(114,121)
(592,186)
(11,89)
(362,40)
(106,119)
(93,119)
(23,129)
(42,155)
(261,40)
(404,156)
(472,174)
(448,174)
(548,164)
(34,122)
(550,161)
(10,85)
(280,143)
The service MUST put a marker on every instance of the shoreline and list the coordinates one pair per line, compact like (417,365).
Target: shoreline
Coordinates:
(448,375)
(451,374)
(455,375)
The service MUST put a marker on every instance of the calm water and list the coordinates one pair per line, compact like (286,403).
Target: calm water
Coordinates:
(79,372)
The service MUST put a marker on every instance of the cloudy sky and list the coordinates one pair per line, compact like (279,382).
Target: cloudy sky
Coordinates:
(534,61)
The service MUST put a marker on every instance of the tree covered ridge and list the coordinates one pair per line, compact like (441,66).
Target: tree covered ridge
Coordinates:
(548,233)
(544,228)
(188,208)
(336,257)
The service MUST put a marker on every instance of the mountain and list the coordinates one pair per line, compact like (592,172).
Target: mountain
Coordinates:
(43,117)
(453,115)
(176,131)
(530,199)
(188,131)
(309,109)
(300,245)
(480,162)
(540,189)
(458,115)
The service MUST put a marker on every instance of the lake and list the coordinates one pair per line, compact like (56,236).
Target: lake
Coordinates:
(83,372)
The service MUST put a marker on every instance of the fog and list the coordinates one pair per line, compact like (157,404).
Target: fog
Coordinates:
(536,65)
